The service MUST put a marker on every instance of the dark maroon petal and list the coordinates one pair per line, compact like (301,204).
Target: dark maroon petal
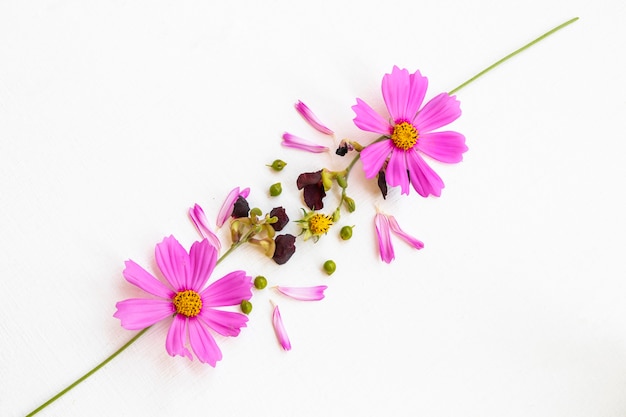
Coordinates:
(285,247)
(309,178)
(382,183)
(313,195)
(241,208)
(283,219)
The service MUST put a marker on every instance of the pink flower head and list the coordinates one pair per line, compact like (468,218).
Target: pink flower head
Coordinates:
(227,207)
(293,141)
(185,297)
(202,224)
(409,132)
(279,328)
(384,224)
(304,293)
(311,118)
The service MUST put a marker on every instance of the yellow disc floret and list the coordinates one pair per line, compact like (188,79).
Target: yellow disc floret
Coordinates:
(188,303)
(320,223)
(404,136)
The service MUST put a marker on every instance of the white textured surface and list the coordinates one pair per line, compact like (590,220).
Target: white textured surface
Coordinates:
(115,118)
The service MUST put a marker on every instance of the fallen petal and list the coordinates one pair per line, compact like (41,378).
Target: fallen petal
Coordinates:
(200,221)
(304,293)
(292,141)
(279,328)
(311,118)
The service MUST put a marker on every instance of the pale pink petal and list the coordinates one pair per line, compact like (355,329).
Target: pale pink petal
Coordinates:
(293,141)
(228,290)
(423,179)
(226,323)
(396,173)
(368,119)
(438,112)
(141,278)
(203,343)
(139,313)
(279,328)
(385,247)
(202,258)
(443,146)
(373,157)
(396,93)
(202,224)
(304,293)
(227,207)
(395,227)
(311,118)
(173,261)
(176,337)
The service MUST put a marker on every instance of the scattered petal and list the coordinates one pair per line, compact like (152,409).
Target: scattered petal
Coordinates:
(292,141)
(385,247)
(279,328)
(227,207)
(200,221)
(311,118)
(304,293)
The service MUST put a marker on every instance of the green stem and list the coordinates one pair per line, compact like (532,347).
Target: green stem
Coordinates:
(512,54)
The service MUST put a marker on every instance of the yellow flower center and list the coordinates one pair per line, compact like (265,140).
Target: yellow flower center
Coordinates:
(320,223)
(404,136)
(188,303)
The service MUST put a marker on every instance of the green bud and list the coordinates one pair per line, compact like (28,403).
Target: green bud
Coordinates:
(336,215)
(350,204)
(260,282)
(246,306)
(342,181)
(276,189)
(346,232)
(278,165)
(330,267)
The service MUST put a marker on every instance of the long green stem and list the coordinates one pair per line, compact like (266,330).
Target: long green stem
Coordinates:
(512,54)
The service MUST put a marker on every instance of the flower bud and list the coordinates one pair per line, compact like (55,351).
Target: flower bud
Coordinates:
(346,232)
(278,165)
(260,282)
(350,204)
(330,267)
(246,307)
(276,189)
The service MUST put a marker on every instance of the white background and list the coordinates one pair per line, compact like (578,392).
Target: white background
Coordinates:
(117,116)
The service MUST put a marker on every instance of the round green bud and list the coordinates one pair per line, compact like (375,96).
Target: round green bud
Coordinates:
(260,282)
(330,266)
(342,181)
(276,189)
(246,306)
(278,165)
(346,232)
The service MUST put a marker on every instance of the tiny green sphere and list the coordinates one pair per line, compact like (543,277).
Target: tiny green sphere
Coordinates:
(278,165)
(330,266)
(346,232)
(246,306)
(276,189)
(260,282)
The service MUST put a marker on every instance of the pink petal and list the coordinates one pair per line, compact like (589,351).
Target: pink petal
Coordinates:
(385,247)
(373,157)
(419,85)
(438,112)
(443,146)
(203,343)
(403,93)
(279,328)
(304,293)
(141,278)
(227,207)
(202,258)
(311,118)
(139,313)
(202,224)
(226,323)
(369,120)
(395,227)
(176,336)
(396,173)
(173,261)
(228,291)
(292,141)
(423,179)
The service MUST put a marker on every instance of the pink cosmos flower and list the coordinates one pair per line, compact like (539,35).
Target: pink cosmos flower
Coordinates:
(304,293)
(185,297)
(293,141)
(279,328)
(384,224)
(227,207)
(202,224)
(409,132)
(311,118)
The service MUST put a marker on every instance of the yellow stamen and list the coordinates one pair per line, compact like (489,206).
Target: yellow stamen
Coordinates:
(320,223)
(404,136)
(188,303)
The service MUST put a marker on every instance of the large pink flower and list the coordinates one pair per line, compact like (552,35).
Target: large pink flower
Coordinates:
(409,132)
(185,298)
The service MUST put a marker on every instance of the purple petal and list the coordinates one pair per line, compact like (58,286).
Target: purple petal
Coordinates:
(369,120)
(202,258)
(438,112)
(227,207)
(395,227)
(173,261)
(176,336)
(292,141)
(373,157)
(311,118)
(228,290)
(200,221)
(141,278)
(139,313)
(443,146)
(304,293)
(279,328)
(423,179)
(226,323)
(203,343)
(396,173)
(385,246)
